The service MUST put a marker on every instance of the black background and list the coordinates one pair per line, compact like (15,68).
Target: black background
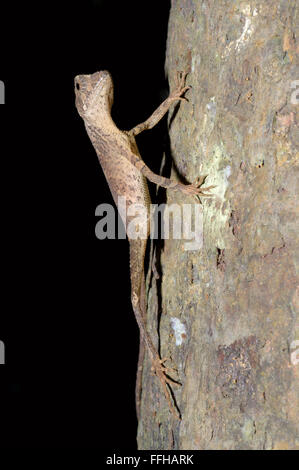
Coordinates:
(66,319)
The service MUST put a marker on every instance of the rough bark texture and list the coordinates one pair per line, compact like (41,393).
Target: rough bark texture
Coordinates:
(238,296)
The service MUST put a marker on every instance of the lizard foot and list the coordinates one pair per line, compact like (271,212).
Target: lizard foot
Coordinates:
(161,372)
(198,183)
(195,188)
(180,87)
(166,371)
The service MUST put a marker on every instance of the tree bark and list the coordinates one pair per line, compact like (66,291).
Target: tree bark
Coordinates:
(237,297)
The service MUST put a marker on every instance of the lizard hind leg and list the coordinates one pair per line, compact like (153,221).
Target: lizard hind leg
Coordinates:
(141,355)
(137,252)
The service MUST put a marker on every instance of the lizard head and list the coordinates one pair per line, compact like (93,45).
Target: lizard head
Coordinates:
(94,94)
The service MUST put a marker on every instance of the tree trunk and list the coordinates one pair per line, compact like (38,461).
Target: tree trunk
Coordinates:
(235,301)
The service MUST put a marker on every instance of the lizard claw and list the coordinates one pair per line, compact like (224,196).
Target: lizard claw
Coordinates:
(158,368)
(168,370)
(180,87)
(199,181)
(161,372)
(195,188)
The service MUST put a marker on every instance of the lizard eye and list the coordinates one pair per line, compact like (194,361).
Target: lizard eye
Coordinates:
(78,86)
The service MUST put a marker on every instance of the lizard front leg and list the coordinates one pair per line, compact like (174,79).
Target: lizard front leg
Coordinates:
(164,107)
(193,189)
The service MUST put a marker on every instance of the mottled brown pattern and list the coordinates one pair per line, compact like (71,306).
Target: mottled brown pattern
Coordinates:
(124,170)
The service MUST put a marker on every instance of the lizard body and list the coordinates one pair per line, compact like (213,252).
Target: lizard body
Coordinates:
(126,175)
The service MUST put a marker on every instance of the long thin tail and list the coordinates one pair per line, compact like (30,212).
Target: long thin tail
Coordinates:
(138,387)
(137,252)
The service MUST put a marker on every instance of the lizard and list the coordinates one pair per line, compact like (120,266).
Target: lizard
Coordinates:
(126,175)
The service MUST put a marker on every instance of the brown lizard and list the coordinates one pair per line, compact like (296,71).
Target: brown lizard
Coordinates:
(126,175)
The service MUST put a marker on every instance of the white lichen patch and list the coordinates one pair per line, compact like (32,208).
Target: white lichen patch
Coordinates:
(227,171)
(217,173)
(248,30)
(246,33)
(216,210)
(179,330)
(248,10)
(208,121)
(211,108)
(195,63)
